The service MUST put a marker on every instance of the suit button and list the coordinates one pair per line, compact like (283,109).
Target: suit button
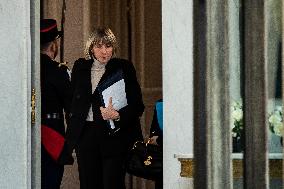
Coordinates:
(78,96)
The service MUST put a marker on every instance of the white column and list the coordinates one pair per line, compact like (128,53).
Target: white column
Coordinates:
(15,82)
(177,52)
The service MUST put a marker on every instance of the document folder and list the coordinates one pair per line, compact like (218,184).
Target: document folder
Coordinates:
(114,87)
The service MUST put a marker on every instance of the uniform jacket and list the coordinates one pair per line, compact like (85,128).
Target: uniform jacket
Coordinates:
(82,98)
(55,92)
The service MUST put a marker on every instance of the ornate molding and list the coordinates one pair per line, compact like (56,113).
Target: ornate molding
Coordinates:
(275,168)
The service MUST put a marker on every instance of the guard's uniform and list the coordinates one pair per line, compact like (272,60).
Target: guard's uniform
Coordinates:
(55,98)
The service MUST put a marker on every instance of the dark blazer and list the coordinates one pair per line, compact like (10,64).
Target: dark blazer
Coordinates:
(82,98)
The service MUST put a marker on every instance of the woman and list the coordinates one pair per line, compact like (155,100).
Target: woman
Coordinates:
(100,150)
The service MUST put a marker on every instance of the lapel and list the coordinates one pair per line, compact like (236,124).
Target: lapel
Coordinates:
(111,67)
(85,72)
(85,75)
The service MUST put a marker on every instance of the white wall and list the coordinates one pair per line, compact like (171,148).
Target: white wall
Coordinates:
(14,97)
(177,52)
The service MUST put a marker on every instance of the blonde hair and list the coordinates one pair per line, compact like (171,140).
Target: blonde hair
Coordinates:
(104,35)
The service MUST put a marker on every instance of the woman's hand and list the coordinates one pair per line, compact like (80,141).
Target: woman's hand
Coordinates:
(109,112)
(153,140)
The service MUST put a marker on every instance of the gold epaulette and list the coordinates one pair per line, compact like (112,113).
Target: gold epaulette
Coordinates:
(63,64)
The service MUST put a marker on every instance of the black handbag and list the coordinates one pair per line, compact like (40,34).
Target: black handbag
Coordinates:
(145,160)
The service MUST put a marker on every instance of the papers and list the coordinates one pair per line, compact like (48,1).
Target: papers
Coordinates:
(117,92)
(114,87)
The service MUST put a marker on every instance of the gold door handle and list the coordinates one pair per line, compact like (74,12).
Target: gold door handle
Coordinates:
(33,105)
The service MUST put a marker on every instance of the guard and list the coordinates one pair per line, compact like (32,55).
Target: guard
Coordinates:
(55,101)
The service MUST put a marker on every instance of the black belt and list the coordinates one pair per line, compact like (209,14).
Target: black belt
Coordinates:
(52,116)
(111,132)
(90,123)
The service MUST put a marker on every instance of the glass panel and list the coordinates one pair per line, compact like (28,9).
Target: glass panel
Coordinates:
(273,57)
(235,72)
(235,89)
(274,109)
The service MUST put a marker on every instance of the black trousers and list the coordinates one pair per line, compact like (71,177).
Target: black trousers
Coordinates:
(159,184)
(51,172)
(100,159)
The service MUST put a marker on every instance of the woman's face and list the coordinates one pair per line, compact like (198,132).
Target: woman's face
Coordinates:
(102,52)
